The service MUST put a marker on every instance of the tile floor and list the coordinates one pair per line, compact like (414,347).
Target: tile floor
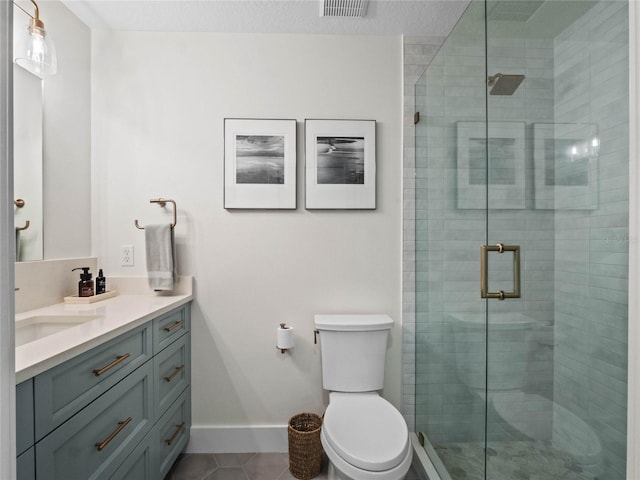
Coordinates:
(240,466)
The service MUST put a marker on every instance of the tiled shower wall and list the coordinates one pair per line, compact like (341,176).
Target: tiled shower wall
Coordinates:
(590,371)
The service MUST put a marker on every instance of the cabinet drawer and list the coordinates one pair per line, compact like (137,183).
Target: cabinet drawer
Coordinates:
(171,433)
(26,465)
(24,416)
(93,443)
(138,465)
(65,389)
(172,373)
(170,326)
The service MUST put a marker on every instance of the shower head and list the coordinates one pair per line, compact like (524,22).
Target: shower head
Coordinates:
(504,84)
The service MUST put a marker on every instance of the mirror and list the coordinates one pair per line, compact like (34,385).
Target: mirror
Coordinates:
(27,158)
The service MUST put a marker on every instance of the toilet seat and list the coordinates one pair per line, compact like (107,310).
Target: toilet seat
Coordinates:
(366,431)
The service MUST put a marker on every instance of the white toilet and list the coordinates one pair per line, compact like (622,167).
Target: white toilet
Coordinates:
(363,435)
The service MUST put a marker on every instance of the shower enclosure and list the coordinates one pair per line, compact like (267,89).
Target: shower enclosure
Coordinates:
(522,198)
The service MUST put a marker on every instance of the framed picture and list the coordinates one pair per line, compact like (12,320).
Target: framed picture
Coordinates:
(259,163)
(504,179)
(340,160)
(566,166)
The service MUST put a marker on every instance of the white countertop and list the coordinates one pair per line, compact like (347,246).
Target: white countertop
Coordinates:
(117,315)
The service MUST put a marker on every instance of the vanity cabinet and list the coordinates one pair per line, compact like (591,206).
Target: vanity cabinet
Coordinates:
(67,388)
(26,465)
(24,416)
(94,442)
(118,411)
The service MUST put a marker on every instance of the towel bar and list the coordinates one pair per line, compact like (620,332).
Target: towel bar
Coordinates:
(26,225)
(163,202)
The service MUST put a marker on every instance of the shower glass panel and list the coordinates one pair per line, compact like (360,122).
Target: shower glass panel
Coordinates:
(451,219)
(523,141)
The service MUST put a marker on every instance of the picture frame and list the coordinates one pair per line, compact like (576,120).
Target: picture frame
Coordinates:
(566,166)
(504,188)
(259,163)
(340,164)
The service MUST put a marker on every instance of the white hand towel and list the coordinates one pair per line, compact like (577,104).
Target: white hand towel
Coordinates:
(18,249)
(160,258)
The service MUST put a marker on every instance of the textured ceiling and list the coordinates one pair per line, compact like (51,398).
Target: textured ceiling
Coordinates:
(384,17)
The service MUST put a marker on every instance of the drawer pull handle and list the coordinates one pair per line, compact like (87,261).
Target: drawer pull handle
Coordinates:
(102,445)
(175,372)
(119,359)
(174,326)
(175,434)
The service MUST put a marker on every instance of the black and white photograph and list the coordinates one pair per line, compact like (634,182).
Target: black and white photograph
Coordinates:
(259,163)
(340,160)
(340,164)
(260,159)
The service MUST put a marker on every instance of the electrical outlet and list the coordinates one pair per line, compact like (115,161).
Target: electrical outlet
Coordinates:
(126,255)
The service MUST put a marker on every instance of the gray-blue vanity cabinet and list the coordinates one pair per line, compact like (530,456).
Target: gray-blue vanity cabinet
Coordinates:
(24,416)
(171,434)
(26,463)
(93,443)
(152,459)
(66,388)
(171,326)
(138,465)
(101,411)
(172,372)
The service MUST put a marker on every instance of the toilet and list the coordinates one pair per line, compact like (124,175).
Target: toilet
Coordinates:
(363,435)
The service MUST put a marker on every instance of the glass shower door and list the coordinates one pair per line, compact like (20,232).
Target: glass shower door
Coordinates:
(557,117)
(451,220)
(523,142)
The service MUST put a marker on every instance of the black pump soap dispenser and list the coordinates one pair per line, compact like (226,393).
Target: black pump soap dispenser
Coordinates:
(85,285)
(101,283)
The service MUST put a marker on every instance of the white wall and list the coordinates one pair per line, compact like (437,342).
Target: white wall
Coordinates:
(158,104)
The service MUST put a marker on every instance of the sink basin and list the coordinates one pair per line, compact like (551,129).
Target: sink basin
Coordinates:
(40,326)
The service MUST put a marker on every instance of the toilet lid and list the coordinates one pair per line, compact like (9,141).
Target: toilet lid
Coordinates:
(366,431)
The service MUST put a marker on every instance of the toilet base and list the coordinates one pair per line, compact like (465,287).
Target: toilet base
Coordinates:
(334,473)
(339,469)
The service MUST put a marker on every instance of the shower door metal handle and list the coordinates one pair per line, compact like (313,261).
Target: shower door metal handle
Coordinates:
(484,271)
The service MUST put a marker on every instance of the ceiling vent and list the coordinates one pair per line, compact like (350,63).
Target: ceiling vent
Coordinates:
(343,8)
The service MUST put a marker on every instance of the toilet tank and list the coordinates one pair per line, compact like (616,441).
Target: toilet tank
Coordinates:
(353,350)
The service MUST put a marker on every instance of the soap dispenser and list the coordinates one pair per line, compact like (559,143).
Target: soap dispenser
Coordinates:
(101,283)
(85,285)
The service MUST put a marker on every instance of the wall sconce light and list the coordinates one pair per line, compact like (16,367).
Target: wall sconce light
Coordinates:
(37,52)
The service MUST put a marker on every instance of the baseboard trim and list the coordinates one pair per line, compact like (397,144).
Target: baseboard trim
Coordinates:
(267,438)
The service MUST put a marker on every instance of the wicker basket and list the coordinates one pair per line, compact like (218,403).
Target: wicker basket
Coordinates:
(305,449)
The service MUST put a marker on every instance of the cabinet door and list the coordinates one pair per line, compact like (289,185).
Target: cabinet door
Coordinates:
(138,465)
(26,464)
(172,372)
(93,443)
(65,389)
(170,326)
(24,416)
(171,434)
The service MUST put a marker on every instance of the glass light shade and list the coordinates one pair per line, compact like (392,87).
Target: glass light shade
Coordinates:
(38,53)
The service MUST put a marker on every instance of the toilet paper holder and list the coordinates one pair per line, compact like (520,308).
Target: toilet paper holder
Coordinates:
(284,338)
